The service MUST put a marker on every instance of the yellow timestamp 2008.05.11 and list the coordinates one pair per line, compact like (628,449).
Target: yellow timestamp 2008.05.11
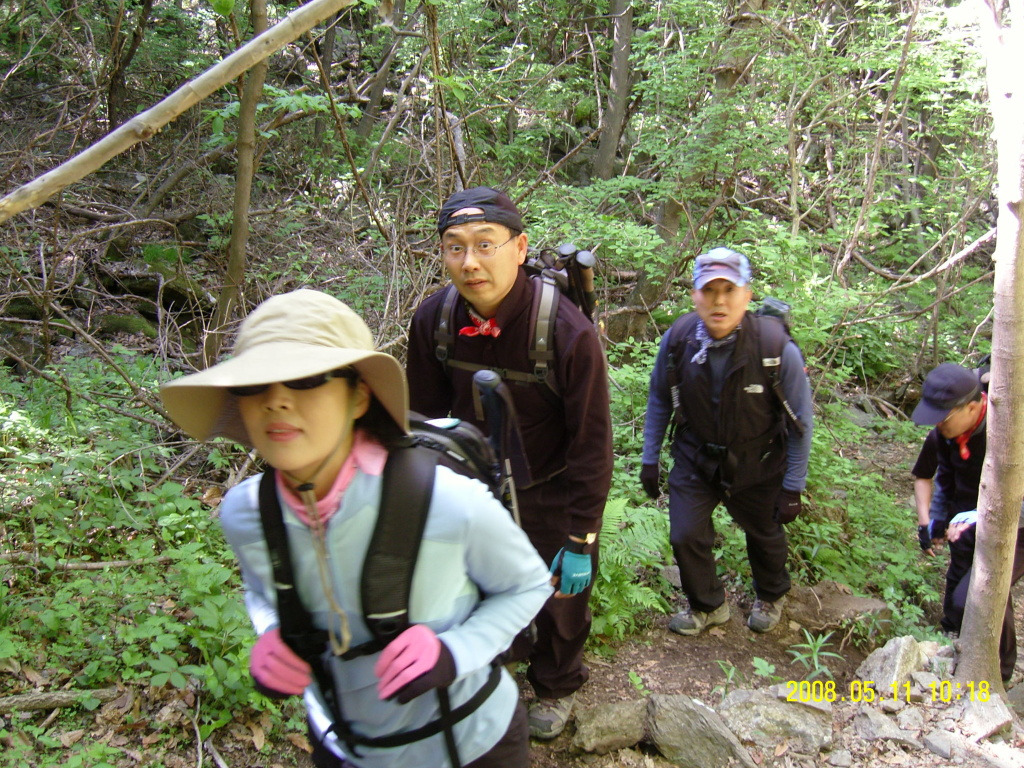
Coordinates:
(866,691)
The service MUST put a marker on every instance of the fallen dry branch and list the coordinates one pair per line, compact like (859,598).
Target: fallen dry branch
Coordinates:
(23,702)
(146,124)
(18,558)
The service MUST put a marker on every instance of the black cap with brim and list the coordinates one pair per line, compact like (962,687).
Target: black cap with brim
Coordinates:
(947,387)
(497,208)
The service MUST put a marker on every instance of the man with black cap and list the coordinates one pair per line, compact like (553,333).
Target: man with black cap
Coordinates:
(565,424)
(735,386)
(953,401)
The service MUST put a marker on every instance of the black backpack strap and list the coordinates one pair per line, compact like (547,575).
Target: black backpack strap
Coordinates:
(543,315)
(296,626)
(444,335)
(678,333)
(772,339)
(449,717)
(406,488)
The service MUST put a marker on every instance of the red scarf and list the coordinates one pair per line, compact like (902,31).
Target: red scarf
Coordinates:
(961,439)
(481,327)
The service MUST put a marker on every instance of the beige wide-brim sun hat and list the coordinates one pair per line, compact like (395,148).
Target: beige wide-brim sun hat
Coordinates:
(287,337)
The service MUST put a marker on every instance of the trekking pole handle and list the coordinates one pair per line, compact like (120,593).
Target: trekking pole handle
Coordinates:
(487,382)
(586,262)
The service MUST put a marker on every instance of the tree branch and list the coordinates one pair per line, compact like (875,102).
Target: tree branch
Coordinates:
(53,699)
(146,124)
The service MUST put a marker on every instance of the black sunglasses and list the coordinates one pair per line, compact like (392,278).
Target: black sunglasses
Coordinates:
(307,382)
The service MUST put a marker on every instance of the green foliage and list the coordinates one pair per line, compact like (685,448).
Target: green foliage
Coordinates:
(765,670)
(778,163)
(733,678)
(595,217)
(222,7)
(813,656)
(629,582)
(638,683)
(78,482)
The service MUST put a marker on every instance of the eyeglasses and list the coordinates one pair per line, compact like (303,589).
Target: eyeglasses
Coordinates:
(307,382)
(484,248)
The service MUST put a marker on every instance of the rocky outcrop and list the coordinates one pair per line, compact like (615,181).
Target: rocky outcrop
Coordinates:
(913,714)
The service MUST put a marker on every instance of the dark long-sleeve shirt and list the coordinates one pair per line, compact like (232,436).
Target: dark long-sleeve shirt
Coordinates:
(567,436)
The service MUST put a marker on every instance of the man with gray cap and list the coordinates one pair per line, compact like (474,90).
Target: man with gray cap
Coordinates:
(954,403)
(489,312)
(734,386)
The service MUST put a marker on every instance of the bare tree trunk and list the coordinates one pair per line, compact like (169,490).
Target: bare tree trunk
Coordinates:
(1002,481)
(619,85)
(851,245)
(246,150)
(117,91)
(327,62)
(371,112)
(144,125)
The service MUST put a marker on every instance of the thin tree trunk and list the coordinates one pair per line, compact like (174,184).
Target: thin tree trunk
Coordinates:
(246,149)
(145,124)
(117,91)
(327,60)
(619,84)
(371,112)
(1002,481)
(868,197)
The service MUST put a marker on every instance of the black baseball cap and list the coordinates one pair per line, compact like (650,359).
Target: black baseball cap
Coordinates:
(947,387)
(497,208)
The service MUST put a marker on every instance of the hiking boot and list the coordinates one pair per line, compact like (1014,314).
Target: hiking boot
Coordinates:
(548,717)
(691,622)
(764,615)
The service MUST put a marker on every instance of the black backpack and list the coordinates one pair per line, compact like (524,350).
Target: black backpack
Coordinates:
(563,271)
(772,329)
(386,579)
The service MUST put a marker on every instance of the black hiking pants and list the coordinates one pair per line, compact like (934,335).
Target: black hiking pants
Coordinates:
(556,659)
(691,500)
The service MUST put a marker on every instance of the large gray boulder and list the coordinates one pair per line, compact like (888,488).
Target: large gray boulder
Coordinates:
(690,734)
(760,718)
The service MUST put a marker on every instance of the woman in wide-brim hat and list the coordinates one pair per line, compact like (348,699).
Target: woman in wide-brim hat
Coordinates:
(306,388)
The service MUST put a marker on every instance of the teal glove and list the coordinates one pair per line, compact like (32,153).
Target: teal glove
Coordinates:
(573,570)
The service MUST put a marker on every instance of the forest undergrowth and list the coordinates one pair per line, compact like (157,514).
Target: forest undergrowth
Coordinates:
(114,575)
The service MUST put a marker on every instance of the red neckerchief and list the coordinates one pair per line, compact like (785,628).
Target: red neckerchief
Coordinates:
(481,327)
(961,439)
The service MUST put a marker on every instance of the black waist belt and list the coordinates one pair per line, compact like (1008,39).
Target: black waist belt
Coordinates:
(434,727)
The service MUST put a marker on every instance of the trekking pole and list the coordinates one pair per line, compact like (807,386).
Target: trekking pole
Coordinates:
(498,417)
(586,261)
(579,266)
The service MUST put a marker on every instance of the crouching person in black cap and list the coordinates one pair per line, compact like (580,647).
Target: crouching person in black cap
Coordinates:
(953,401)
(486,319)
(306,389)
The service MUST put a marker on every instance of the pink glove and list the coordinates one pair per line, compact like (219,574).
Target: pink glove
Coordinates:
(412,664)
(276,667)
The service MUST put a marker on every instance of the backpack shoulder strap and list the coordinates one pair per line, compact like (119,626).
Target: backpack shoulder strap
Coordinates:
(406,488)
(296,625)
(444,336)
(677,336)
(542,334)
(772,338)
(543,316)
